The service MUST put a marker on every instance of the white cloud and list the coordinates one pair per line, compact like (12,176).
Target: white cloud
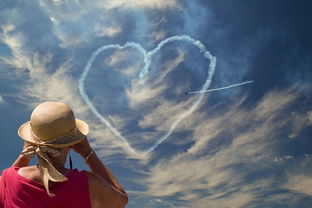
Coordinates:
(299,122)
(309,114)
(158,36)
(76,22)
(107,31)
(43,85)
(15,42)
(139,93)
(235,200)
(117,57)
(246,141)
(168,67)
(226,145)
(299,177)
(300,183)
(139,4)
(165,114)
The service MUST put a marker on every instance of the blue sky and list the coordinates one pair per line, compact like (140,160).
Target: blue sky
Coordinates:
(248,146)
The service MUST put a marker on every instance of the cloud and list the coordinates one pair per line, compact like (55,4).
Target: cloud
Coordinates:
(142,90)
(77,22)
(3,102)
(309,114)
(300,183)
(125,61)
(299,122)
(159,118)
(46,83)
(224,155)
(15,42)
(117,57)
(299,177)
(139,4)
(150,90)
(229,146)
(139,93)
(157,36)
(235,200)
(42,85)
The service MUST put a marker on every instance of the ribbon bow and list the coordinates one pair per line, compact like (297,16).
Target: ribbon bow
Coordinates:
(47,171)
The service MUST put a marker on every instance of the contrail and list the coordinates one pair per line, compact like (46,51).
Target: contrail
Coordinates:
(221,88)
(144,71)
(111,118)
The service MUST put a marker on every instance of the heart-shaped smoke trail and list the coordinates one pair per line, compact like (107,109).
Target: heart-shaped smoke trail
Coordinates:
(144,71)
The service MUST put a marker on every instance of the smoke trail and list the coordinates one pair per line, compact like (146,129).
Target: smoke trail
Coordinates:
(144,71)
(221,88)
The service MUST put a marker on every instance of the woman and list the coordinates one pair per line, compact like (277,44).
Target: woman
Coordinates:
(50,134)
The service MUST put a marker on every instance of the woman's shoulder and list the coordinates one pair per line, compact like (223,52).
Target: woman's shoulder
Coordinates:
(9,171)
(31,173)
(14,174)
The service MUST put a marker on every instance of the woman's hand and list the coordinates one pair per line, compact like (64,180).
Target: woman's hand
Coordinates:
(29,150)
(23,161)
(83,148)
(27,144)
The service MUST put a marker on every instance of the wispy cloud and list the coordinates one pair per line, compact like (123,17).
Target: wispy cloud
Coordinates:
(142,90)
(309,114)
(76,22)
(15,42)
(300,183)
(230,145)
(43,85)
(299,177)
(140,4)
(222,155)
(69,25)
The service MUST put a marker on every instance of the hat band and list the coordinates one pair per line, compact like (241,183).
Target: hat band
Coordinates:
(47,171)
(65,139)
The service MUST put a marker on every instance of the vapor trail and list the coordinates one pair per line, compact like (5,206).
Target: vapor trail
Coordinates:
(220,88)
(144,71)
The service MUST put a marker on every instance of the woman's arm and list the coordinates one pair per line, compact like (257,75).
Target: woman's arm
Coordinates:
(21,161)
(101,172)
(101,193)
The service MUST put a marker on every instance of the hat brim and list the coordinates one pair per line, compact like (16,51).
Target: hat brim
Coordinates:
(25,132)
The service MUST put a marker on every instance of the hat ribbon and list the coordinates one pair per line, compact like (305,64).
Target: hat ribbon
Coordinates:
(47,171)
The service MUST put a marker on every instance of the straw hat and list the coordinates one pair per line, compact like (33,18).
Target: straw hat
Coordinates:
(53,124)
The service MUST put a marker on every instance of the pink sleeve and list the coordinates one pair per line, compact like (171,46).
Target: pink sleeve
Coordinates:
(2,189)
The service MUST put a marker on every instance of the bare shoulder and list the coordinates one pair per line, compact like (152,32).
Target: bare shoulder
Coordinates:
(30,172)
(101,193)
(27,171)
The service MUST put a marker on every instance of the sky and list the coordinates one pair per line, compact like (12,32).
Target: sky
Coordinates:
(125,67)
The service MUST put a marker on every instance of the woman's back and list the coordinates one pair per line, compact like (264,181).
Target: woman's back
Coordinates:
(18,191)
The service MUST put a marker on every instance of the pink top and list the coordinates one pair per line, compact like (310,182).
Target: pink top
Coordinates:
(17,191)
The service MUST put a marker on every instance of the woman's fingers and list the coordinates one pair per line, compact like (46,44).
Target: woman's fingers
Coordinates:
(83,148)
(27,144)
